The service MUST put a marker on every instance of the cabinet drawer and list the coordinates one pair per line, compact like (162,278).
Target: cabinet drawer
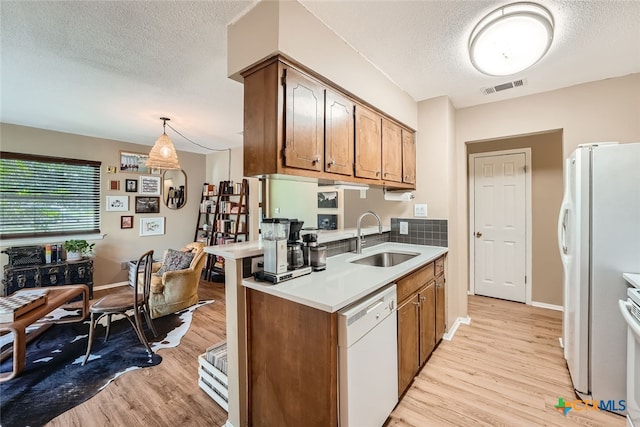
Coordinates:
(410,284)
(439,266)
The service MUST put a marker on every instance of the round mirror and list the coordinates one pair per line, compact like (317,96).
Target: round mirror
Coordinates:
(175,188)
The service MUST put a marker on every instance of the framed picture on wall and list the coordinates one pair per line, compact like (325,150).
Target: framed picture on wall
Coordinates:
(117,204)
(151,226)
(327,199)
(149,185)
(126,221)
(133,162)
(131,185)
(327,222)
(147,204)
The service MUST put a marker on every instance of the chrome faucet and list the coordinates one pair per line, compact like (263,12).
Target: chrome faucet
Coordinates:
(359,234)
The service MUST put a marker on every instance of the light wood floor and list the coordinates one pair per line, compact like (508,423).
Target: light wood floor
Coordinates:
(167,394)
(505,369)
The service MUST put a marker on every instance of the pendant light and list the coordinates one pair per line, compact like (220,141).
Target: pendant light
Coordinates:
(511,39)
(163,154)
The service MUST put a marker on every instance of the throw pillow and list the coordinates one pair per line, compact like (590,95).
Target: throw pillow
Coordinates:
(175,260)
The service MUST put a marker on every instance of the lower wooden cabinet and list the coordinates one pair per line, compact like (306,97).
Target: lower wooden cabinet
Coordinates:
(408,342)
(440,317)
(292,363)
(427,297)
(421,319)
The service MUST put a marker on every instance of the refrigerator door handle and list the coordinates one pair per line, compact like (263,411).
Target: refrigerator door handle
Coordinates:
(562,229)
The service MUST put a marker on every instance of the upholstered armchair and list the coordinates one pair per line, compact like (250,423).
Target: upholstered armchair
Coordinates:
(176,285)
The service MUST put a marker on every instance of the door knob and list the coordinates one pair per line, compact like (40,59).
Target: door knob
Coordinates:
(478,234)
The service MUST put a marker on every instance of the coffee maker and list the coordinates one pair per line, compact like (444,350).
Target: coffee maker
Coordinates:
(283,258)
(275,232)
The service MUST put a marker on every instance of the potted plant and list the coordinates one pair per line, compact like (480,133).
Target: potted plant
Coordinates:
(77,249)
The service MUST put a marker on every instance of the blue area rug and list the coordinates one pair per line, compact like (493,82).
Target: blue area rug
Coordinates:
(54,380)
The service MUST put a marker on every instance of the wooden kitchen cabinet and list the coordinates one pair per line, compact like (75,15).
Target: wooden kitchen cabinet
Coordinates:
(427,300)
(439,307)
(420,321)
(304,122)
(300,124)
(440,298)
(368,147)
(392,153)
(339,134)
(408,157)
(408,342)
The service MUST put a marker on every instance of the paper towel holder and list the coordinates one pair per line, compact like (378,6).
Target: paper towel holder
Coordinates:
(398,196)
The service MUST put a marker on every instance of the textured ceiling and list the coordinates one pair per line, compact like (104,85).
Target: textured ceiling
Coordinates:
(111,69)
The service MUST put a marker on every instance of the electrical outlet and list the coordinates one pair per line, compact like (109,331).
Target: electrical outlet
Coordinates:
(277,210)
(404,227)
(124,265)
(420,210)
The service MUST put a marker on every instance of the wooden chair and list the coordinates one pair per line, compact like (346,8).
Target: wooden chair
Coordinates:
(137,299)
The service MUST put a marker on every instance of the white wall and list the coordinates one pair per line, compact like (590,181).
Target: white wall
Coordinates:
(305,39)
(605,110)
(118,245)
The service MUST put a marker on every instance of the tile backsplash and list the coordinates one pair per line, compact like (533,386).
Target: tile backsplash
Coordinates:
(431,232)
(349,245)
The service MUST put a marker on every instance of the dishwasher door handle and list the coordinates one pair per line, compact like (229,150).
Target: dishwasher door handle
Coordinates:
(375,305)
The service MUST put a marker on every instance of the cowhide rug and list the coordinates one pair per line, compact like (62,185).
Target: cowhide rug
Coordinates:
(54,380)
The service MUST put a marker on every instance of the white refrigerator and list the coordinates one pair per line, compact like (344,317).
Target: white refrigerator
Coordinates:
(599,239)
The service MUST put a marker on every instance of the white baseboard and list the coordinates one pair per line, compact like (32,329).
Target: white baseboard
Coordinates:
(549,306)
(459,321)
(227,424)
(110,285)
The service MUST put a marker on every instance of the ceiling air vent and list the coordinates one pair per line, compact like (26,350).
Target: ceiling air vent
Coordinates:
(504,86)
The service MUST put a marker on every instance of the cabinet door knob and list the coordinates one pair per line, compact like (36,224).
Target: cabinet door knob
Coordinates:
(416,303)
(315,160)
(377,173)
(331,163)
(423,298)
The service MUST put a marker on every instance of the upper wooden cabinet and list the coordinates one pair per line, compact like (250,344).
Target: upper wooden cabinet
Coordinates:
(298,123)
(392,152)
(339,134)
(304,122)
(408,157)
(368,143)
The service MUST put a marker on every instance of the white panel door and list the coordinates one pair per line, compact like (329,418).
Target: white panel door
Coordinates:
(500,226)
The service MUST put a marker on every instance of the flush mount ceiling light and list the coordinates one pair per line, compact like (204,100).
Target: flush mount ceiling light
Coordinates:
(163,154)
(511,39)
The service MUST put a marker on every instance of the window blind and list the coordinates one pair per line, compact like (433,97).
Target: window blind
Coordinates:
(47,196)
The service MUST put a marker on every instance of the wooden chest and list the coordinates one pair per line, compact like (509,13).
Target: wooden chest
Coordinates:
(36,276)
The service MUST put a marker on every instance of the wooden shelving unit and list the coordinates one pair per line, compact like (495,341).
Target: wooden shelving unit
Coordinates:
(227,221)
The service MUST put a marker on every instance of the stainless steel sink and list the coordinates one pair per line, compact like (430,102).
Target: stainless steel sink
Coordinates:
(385,259)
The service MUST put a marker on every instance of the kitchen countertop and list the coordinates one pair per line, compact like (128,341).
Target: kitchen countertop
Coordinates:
(633,278)
(343,282)
(254,248)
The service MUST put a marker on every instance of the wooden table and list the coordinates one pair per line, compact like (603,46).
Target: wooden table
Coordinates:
(56,298)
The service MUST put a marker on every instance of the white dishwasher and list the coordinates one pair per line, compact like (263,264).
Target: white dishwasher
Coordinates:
(368,360)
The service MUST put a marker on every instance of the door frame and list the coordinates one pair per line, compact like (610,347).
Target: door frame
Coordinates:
(528,216)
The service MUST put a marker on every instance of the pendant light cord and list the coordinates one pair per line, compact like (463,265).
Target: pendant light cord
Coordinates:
(228,150)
